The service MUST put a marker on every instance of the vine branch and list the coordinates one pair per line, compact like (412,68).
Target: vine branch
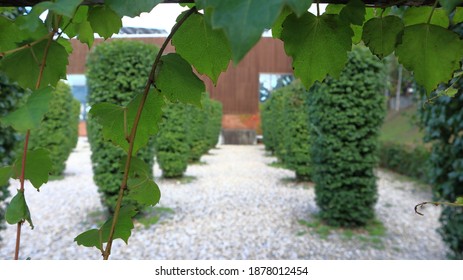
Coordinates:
(133,132)
(435,203)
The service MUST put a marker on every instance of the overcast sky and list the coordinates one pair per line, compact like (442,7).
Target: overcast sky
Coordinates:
(163,16)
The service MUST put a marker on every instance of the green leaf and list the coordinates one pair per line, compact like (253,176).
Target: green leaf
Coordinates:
(89,238)
(61,7)
(204,48)
(113,117)
(5,175)
(18,211)
(299,7)
(433,53)
(333,9)
(451,92)
(318,49)
(277,27)
(417,15)
(9,35)
(30,115)
(85,33)
(66,44)
(177,81)
(123,230)
(381,35)
(458,16)
(24,66)
(144,191)
(459,200)
(104,21)
(449,5)
(243,21)
(138,168)
(38,167)
(354,12)
(132,8)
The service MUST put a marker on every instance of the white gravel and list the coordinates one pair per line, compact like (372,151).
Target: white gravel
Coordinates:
(237,207)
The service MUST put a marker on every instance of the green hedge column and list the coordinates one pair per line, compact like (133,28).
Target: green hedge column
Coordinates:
(116,72)
(59,130)
(443,122)
(346,114)
(296,137)
(196,128)
(172,147)
(213,110)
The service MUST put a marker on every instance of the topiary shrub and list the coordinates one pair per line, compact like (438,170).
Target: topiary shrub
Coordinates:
(273,123)
(346,114)
(296,138)
(11,97)
(171,142)
(116,72)
(59,130)
(196,128)
(214,121)
(443,126)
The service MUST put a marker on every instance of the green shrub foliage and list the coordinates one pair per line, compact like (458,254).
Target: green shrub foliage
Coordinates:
(214,121)
(443,125)
(197,129)
(285,128)
(171,142)
(346,114)
(58,132)
(405,160)
(11,97)
(116,72)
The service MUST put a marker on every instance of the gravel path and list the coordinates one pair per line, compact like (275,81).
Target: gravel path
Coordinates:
(235,207)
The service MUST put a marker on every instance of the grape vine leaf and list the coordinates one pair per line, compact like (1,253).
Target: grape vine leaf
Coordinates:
(123,230)
(243,21)
(79,27)
(66,44)
(318,49)
(138,168)
(30,115)
(31,26)
(432,52)
(104,21)
(381,35)
(277,27)
(18,211)
(417,15)
(354,12)
(458,16)
(113,117)
(9,35)
(24,66)
(449,5)
(299,7)
(144,190)
(459,200)
(333,9)
(132,8)
(204,48)
(38,167)
(5,174)
(61,7)
(176,80)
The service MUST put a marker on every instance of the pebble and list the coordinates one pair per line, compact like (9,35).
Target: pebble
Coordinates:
(236,207)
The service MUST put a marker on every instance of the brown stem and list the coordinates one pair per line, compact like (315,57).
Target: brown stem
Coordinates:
(26,142)
(133,131)
(30,45)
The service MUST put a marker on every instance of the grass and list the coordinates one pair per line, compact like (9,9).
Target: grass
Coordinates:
(154,216)
(399,127)
(371,234)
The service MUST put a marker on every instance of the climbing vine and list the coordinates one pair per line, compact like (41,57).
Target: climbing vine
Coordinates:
(34,53)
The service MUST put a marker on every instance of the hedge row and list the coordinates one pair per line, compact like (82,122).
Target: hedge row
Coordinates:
(116,72)
(405,160)
(285,128)
(59,130)
(186,134)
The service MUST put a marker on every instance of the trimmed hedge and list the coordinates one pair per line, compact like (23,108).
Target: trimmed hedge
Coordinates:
(171,143)
(285,128)
(186,134)
(443,123)
(58,132)
(116,72)
(346,114)
(405,160)
(11,97)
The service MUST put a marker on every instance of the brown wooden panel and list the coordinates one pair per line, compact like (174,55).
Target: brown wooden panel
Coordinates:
(237,88)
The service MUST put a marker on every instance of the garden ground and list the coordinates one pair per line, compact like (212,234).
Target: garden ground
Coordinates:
(233,206)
